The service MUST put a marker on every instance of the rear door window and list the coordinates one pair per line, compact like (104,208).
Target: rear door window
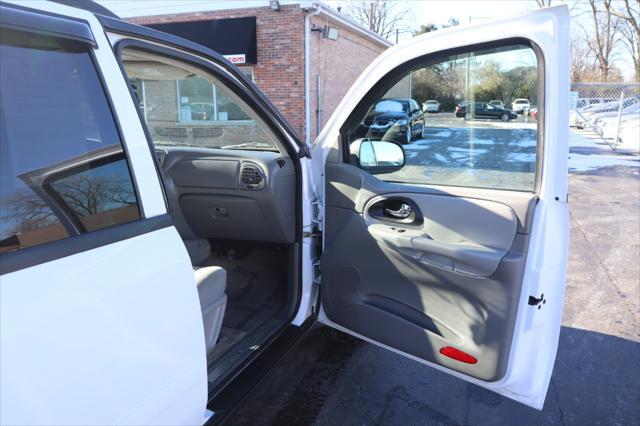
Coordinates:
(62,165)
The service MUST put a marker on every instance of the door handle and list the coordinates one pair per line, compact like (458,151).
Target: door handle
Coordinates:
(402,213)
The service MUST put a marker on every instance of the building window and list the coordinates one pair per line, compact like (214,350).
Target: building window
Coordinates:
(184,106)
(200,100)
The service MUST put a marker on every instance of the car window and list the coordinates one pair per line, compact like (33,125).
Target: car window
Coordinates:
(184,106)
(460,146)
(62,165)
(389,106)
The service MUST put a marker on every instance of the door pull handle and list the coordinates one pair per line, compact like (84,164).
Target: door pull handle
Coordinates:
(402,213)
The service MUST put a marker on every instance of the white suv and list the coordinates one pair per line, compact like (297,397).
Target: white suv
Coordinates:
(155,259)
(520,105)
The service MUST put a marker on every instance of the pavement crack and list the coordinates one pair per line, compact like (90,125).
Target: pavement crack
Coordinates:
(557,397)
(602,263)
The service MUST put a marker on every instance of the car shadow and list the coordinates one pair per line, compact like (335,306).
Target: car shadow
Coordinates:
(331,378)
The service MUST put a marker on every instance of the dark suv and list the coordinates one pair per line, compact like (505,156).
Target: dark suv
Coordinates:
(400,120)
(484,110)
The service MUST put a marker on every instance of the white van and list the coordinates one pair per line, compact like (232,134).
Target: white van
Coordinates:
(158,256)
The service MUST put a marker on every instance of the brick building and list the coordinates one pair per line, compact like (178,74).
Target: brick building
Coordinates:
(303,55)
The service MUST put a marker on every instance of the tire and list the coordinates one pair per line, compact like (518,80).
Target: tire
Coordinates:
(467,116)
(505,117)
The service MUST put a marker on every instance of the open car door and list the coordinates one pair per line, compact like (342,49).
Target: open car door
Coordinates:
(451,248)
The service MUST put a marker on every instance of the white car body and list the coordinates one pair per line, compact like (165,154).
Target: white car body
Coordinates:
(109,336)
(520,105)
(431,106)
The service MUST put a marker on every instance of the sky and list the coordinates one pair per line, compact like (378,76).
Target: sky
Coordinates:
(440,11)
(422,11)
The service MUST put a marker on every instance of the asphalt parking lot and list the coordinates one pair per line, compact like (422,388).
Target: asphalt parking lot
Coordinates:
(487,153)
(333,379)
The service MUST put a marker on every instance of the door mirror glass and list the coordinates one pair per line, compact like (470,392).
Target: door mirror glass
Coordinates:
(381,156)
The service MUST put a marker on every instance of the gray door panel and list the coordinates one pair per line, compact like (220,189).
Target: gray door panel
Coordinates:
(449,275)
(208,198)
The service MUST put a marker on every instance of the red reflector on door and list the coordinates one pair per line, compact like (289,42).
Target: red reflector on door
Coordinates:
(458,355)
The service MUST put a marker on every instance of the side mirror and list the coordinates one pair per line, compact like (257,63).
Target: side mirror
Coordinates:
(380,156)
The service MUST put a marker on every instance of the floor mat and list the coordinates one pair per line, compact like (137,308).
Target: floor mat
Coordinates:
(256,293)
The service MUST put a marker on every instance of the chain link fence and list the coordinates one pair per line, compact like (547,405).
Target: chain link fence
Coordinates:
(612,110)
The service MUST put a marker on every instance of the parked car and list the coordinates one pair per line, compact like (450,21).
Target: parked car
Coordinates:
(497,103)
(519,105)
(136,270)
(484,110)
(431,106)
(529,110)
(201,111)
(397,120)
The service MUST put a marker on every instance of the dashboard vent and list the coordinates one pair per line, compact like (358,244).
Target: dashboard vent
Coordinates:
(251,176)
(280,162)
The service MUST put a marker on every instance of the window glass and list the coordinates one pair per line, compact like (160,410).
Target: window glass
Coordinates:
(247,71)
(62,166)
(185,107)
(484,133)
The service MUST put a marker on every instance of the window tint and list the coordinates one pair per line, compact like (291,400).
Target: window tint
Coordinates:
(63,170)
(185,107)
(469,142)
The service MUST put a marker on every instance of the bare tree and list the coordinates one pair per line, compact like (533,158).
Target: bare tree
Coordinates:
(602,39)
(583,63)
(629,30)
(432,27)
(84,195)
(543,3)
(425,29)
(384,17)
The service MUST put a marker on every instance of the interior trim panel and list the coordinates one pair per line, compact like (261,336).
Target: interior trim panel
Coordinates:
(435,268)
(228,194)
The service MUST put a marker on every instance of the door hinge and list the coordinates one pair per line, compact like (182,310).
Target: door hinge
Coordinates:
(312,234)
(316,212)
(537,301)
(316,272)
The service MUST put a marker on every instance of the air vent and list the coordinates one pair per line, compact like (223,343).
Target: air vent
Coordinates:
(251,176)
(280,162)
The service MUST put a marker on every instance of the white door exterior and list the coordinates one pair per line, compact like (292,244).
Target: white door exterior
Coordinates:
(536,331)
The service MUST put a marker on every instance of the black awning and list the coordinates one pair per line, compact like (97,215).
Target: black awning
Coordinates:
(236,36)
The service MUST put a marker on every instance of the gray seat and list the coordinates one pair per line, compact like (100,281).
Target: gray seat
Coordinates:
(212,283)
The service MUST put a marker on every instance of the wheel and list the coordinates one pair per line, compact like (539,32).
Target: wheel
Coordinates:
(467,116)
(505,117)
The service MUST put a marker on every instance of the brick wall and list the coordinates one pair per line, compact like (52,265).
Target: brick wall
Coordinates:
(280,44)
(338,63)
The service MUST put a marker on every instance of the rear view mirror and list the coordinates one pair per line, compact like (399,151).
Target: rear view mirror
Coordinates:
(380,156)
